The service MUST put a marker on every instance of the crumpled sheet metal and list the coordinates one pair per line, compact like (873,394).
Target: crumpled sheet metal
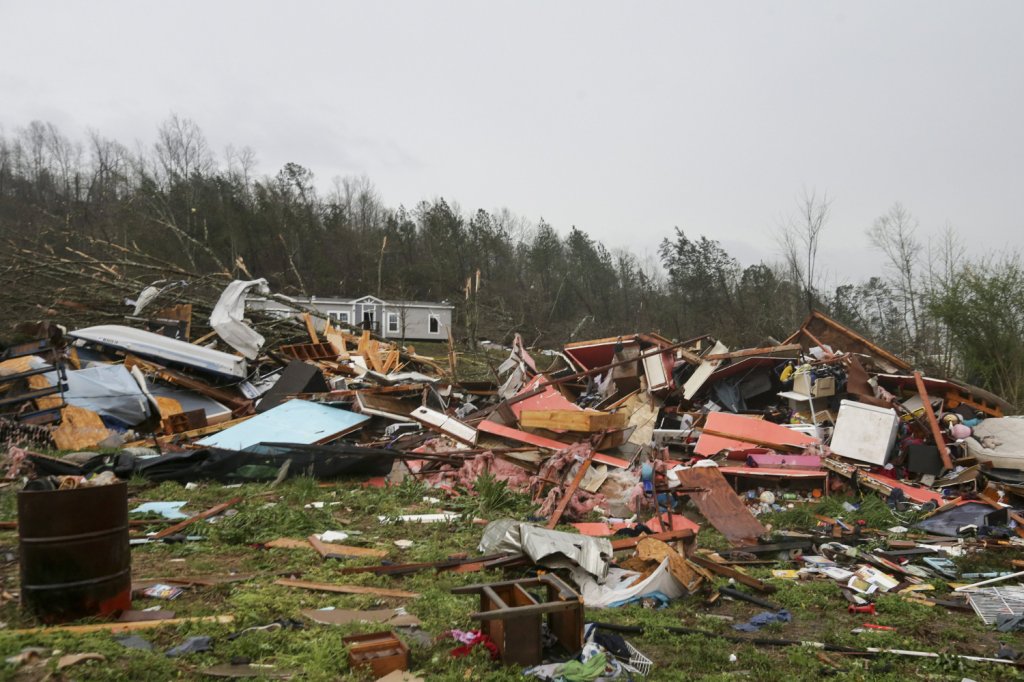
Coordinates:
(227,318)
(551,548)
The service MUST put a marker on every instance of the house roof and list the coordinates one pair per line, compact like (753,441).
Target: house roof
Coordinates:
(338,300)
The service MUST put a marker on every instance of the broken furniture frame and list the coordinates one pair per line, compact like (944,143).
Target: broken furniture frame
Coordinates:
(50,350)
(511,616)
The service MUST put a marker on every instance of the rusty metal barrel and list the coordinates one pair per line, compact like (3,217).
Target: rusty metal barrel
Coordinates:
(74,552)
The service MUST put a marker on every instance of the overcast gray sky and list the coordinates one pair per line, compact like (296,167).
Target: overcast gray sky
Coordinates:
(624,119)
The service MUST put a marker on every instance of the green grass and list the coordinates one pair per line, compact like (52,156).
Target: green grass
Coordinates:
(229,547)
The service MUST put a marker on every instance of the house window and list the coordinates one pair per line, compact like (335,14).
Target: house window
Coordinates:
(435,324)
(393,322)
(339,317)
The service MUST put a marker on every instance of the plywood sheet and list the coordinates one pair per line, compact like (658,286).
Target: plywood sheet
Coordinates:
(721,506)
(585,421)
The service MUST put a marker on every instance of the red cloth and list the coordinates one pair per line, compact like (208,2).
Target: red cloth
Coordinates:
(479,639)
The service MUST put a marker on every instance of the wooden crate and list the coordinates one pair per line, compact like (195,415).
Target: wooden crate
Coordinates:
(382,652)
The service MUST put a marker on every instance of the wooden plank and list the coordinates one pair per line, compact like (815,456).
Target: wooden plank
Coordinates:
(789,349)
(310,327)
(729,572)
(346,589)
(586,421)
(452,358)
(570,491)
(449,564)
(372,356)
(721,506)
(329,550)
(176,313)
(336,340)
(309,352)
(119,627)
(212,511)
(933,423)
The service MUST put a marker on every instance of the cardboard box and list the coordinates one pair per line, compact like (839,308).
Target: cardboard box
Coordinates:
(820,388)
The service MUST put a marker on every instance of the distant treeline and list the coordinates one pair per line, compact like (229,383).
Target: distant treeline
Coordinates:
(211,213)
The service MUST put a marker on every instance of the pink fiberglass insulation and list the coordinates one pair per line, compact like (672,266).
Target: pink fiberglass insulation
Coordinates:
(515,477)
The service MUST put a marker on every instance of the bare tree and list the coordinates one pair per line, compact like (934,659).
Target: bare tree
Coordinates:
(241,166)
(182,150)
(945,262)
(894,235)
(799,238)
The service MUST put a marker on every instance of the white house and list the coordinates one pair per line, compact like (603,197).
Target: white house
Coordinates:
(415,320)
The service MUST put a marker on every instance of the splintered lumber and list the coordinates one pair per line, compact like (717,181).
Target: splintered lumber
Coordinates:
(237,403)
(328,550)
(336,340)
(570,491)
(372,356)
(212,511)
(391,359)
(721,506)
(880,484)
(118,627)
(310,328)
(728,572)
(586,421)
(933,423)
(666,536)
(346,589)
(198,433)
